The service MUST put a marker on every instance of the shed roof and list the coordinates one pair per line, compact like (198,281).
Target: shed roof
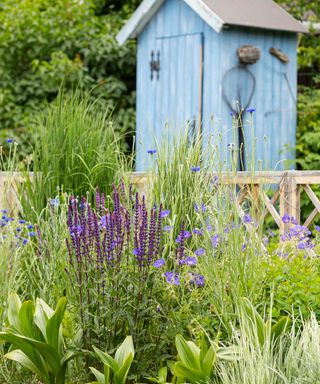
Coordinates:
(264,14)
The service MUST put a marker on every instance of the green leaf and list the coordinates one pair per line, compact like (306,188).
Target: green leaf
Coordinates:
(106,359)
(26,318)
(208,362)
(280,327)
(121,375)
(188,352)
(53,327)
(98,375)
(124,350)
(14,305)
(192,375)
(163,374)
(18,356)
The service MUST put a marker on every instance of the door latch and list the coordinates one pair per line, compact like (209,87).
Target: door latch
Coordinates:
(155,65)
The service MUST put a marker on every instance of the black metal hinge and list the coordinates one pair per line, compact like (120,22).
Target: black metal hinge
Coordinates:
(155,65)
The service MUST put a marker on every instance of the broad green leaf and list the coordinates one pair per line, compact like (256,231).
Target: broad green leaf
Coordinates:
(53,327)
(14,305)
(18,356)
(40,319)
(106,359)
(98,375)
(47,309)
(26,318)
(121,375)
(192,375)
(20,343)
(256,320)
(163,374)
(188,352)
(203,347)
(280,327)
(124,350)
(208,362)
(106,371)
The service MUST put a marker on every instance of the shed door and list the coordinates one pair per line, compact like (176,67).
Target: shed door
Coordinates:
(178,88)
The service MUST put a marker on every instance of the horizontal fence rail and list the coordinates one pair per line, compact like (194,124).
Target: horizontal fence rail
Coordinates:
(286,190)
(283,196)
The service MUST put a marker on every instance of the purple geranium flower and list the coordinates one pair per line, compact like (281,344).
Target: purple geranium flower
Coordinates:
(199,252)
(183,235)
(203,208)
(286,218)
(197,279)
(247,219)
(197,231)
(164,213)
(159,263)
(189,260)
(215,241)
(172,278)
(317,228)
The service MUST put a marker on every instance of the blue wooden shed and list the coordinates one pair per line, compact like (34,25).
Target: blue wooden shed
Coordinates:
(200,61)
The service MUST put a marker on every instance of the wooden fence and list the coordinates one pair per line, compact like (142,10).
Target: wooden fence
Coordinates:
(283,196)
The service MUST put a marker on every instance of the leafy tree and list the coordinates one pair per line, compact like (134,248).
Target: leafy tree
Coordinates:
(44,43)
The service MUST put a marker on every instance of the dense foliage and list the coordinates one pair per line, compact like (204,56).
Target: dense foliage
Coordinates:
(43,43)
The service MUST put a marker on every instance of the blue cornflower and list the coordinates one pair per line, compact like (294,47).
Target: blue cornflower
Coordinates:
(21,221)
(251,110)
(9,140)
(164,213)
(18,229)
(4,211)
(159,263)
(196,168)
(30,226)
(151,151)
(199,252)
(32,234)
(25,241)
(172,278)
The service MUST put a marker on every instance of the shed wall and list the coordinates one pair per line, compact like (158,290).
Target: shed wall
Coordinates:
(273,124)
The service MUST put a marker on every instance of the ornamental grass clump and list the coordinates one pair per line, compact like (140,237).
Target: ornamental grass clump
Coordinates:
(76,150)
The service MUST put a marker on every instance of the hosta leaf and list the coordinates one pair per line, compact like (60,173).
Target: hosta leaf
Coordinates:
(98,375)
(106,359)
(188,353)
(18,356)
(124,350)
(40,319)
